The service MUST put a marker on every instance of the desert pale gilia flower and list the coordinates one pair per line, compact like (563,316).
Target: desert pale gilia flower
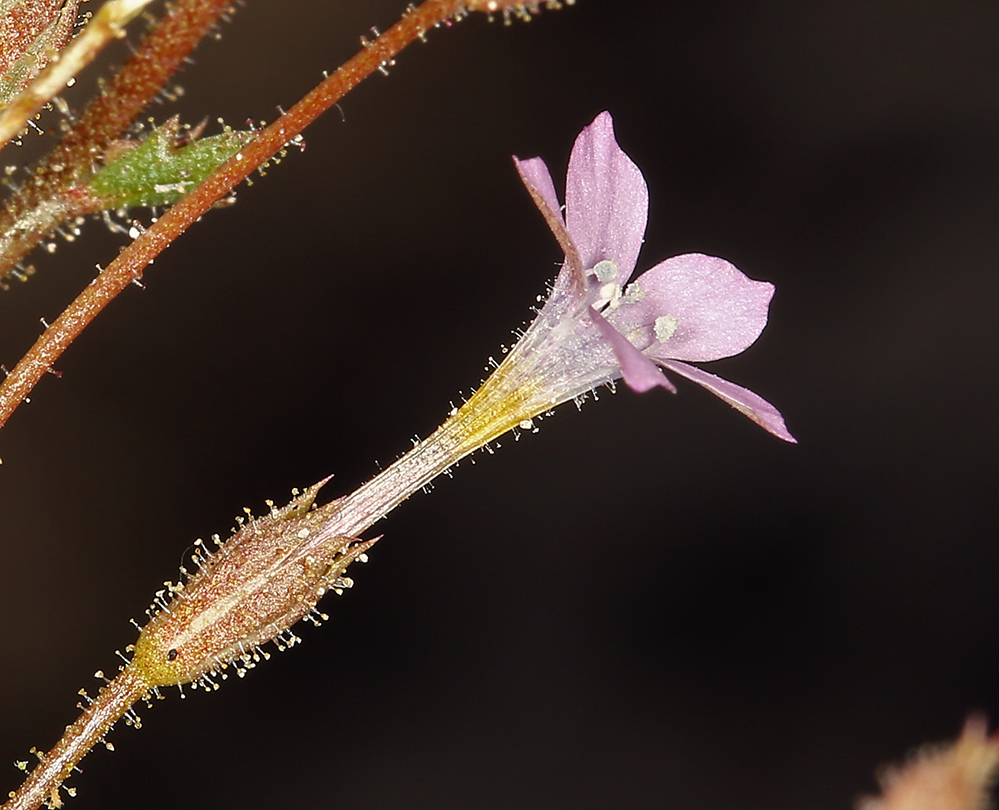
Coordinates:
(595,327)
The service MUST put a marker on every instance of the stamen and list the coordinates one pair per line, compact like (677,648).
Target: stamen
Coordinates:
(633,294)
(665,327)
(605,270)
(611,293)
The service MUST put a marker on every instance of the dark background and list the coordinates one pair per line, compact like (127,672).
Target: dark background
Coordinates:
(652,602)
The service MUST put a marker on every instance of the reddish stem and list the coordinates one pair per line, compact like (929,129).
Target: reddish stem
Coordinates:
(49,203)
(119,695)
(131,262)
(96,720)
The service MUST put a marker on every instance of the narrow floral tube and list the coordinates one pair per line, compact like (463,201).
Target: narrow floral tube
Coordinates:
(596,326)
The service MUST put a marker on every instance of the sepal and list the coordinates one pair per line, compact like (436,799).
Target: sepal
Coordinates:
(260,582)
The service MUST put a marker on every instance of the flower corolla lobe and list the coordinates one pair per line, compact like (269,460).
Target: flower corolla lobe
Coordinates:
(690,308)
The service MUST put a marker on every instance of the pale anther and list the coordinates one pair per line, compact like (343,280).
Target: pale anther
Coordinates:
(605,270)
(611,293)
(665,327)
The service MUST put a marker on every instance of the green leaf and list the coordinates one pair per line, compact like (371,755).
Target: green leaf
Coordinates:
(162,168)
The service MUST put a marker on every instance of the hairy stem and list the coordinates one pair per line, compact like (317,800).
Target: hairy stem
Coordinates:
(495,409)
(96,720)
(53,193)
(508,398)
(131,262)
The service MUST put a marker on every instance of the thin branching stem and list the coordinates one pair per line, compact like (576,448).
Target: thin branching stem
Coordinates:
(49,199)
(117,697)
(132,261)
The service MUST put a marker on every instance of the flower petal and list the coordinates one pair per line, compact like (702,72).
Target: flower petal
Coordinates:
(539,185)
(640,373)
(534,172)
(742,399)
(719,311)
(606,199)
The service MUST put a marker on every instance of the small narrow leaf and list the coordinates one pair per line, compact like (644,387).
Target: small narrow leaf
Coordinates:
(164,167)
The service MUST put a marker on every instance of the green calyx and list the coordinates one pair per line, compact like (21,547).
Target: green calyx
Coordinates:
(163,168)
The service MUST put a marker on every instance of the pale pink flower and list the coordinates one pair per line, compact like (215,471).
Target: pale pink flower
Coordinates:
(595,327)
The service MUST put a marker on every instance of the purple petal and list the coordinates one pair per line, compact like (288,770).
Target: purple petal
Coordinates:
(606,199)
(719,310)
(534,172)
(539,185)
(742,399)
(640,373)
